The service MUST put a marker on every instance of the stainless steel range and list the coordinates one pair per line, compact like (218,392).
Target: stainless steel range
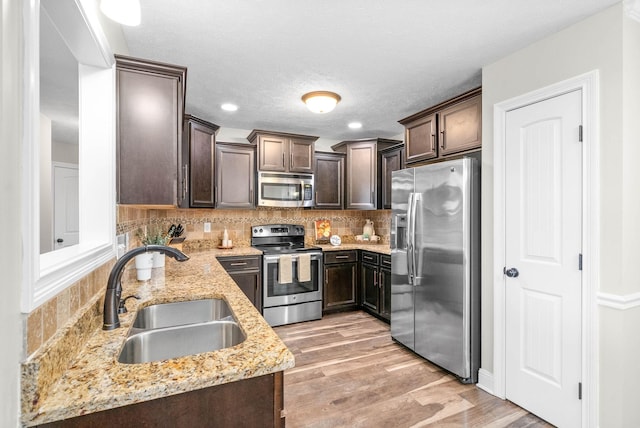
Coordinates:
(292,274)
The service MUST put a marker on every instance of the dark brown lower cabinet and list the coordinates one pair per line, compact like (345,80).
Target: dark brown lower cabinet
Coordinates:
(375,279)
(245,271)
(340,281)
(257,402)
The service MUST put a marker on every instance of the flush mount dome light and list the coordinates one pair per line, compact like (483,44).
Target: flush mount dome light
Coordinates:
(321,101)
(126,12)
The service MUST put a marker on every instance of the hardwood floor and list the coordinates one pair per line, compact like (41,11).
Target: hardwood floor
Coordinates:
(350,373)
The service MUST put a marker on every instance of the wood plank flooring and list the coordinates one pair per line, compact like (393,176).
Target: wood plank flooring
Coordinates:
(350,373)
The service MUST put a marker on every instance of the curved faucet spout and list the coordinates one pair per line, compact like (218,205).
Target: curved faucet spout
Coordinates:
(114,286)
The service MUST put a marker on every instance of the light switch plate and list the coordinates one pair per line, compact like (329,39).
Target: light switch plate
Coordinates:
(122,242)
(207,227)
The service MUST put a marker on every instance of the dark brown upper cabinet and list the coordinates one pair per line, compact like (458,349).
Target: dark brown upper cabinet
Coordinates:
(149,111)
(235,175)
(449,128)
(329,180)
(391,159)
(283,152)
(198,163)
(362,179)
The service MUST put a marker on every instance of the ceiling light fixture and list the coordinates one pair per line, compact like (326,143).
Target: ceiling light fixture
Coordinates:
(355,125)
(321,101)
(229,107)
(126,12)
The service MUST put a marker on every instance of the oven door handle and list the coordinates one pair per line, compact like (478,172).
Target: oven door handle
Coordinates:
(276,257)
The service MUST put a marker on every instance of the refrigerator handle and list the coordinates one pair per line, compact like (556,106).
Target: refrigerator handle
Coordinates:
(412,236)
(410,225)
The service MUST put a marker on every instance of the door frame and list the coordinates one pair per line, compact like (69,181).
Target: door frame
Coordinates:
(588,83)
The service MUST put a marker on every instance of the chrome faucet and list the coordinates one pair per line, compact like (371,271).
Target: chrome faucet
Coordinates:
(114,286)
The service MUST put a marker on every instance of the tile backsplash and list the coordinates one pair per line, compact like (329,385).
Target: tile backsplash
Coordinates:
(49,318)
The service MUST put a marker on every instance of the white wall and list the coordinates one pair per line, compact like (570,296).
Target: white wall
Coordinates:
(64,152)
(599,42)
(10,212)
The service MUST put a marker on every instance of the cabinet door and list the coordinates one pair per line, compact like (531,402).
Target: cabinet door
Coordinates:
(361,176)
(461,126)
(301,155)
(250,284)
(340,286)
(369,280)
(201,142)
(420,139)
(148,139)
(235,176)
(391,161)
(329,181)
(272,153)
(385,288)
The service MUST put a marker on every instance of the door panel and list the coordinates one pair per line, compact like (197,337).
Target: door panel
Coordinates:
(543,242)
(66,210)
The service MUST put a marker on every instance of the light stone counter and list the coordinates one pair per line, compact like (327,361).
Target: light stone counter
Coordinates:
(376,248)
(95,381)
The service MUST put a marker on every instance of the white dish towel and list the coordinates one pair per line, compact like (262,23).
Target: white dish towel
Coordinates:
(304,267)
(285,269)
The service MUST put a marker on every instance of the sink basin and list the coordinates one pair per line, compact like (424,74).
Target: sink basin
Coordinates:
(174,342)
(181,313)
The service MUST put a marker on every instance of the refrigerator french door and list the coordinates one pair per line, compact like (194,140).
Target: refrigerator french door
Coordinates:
(435,264)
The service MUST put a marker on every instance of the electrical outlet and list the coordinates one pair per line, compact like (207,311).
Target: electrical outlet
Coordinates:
(207,227)
(121,244)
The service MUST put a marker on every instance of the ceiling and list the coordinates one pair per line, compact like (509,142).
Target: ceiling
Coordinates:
(387,59)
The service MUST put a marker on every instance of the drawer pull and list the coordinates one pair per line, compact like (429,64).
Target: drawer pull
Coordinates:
(239,264)
(342,257)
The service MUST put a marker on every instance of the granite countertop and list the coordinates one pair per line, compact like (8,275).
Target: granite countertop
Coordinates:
(376,248)
(95,381)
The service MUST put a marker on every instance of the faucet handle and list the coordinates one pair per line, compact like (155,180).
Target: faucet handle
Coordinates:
(122,309)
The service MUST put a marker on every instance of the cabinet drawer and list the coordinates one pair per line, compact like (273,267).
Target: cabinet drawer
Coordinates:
(340,257)
(235,264)
(369,257)
(385,261)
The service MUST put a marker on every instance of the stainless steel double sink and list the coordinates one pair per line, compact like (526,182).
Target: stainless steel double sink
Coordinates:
(172,330)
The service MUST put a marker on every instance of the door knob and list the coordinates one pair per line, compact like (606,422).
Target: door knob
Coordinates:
(59,240)
(511,273)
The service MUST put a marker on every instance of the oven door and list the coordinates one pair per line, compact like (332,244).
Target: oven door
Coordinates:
(276,294)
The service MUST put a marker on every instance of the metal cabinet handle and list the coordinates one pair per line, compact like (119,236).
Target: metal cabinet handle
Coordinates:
(375,279)
(290,160)
(433,142)
(442,140)
(342,257)
(283,159)
(239,264)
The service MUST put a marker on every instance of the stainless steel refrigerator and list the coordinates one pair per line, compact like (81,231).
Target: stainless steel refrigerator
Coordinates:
(435,264)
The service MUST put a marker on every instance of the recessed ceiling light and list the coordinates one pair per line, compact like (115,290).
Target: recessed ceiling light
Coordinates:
(126,12)
(355,125)
(229,107)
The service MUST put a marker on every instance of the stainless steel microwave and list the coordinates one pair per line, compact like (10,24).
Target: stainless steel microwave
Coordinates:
(285,190)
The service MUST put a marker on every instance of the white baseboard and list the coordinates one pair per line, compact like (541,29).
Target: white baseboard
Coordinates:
(485,381)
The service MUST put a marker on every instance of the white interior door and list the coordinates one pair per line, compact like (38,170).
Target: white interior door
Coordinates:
(543,209)
(66,207)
